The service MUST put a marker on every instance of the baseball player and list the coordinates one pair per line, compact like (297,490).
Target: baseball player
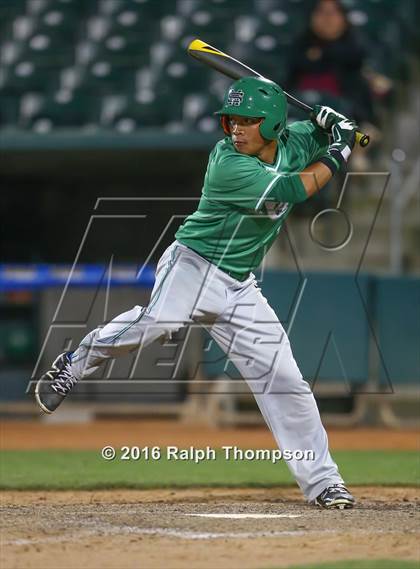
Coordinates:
(254,177)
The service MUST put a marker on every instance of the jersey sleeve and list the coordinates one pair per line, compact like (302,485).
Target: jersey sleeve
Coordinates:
(312,140)
(245,183)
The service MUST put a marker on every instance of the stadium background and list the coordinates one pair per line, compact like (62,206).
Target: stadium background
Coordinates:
(105,129)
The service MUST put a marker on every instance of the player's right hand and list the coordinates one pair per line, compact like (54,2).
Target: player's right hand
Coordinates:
(326,117)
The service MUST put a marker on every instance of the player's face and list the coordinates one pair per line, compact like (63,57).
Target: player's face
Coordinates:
(245,132)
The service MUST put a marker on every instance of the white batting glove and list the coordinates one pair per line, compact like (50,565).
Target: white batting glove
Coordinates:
(326,117)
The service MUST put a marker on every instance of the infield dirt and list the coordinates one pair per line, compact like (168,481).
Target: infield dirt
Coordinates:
(154,529)
(20,435)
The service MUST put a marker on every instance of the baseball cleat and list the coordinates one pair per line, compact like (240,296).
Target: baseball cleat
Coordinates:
(336,497)
(53,386)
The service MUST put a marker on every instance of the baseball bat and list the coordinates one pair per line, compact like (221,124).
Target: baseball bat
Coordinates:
(235,70)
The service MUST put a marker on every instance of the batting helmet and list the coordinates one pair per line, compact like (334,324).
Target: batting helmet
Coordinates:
(256,97)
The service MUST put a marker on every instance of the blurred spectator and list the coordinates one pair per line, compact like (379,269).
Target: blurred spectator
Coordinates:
(326,66)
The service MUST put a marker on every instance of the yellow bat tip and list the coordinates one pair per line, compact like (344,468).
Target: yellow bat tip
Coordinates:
(203,47)
(196,44)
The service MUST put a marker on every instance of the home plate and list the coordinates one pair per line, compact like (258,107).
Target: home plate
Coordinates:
(243,516)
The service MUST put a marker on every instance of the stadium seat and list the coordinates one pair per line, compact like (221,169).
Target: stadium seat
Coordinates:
(147,8)
(217,84)
(9,111)
(145,110)
(61,109)
(198,112)
(218,8)
(136,31)
(209,26)
(181,76)
(9,11)
(44,49)
(69,8)
(26,76)
(380,24)
(125,51)
(102,77)
(263,54)
(283,26)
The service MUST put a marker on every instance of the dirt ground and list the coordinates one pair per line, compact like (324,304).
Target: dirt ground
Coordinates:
(198,528)
(162,528)
(46,434)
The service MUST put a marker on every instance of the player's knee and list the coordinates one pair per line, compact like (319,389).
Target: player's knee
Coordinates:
(290,381)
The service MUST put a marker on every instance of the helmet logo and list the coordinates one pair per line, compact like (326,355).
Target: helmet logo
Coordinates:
(235,98)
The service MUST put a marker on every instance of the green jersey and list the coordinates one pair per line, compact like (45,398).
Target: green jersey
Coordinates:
(245,201)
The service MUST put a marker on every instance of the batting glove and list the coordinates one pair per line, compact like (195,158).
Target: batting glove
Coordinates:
(344,135)
(326,117)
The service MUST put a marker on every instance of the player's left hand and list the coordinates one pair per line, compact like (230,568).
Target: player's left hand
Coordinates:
(344,134)
(326,117)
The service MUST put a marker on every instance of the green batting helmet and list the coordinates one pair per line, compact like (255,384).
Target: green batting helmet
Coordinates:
(256,97)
